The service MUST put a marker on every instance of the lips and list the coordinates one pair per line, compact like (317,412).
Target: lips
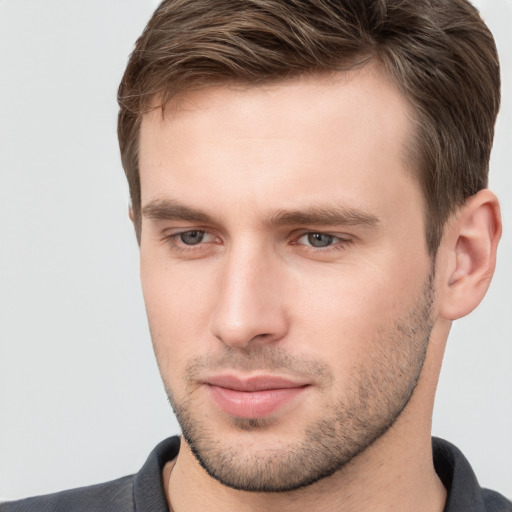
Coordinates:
(253,397)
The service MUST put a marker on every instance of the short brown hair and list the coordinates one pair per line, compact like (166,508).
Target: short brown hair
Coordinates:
(439,52)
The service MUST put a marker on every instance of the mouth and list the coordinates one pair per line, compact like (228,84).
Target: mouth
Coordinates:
(255,396)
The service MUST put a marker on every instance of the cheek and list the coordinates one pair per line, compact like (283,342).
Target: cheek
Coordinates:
(348,315)
(177,306)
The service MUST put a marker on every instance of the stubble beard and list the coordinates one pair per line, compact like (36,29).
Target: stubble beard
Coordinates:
(376,396)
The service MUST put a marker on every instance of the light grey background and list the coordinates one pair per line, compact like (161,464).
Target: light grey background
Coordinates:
(80,398)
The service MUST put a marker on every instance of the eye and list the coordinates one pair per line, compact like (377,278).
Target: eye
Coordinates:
(192,243)
(185,240)
(318,240)
(192,237)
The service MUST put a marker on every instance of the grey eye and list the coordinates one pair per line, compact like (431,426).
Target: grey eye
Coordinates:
(192,237)
(320,240)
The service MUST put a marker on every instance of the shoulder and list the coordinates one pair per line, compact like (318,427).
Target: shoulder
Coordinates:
(464,491)
(495,502)
(110,496)
(143,491)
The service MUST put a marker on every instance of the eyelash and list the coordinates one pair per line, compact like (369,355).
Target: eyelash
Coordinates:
(177,245)
(340,244)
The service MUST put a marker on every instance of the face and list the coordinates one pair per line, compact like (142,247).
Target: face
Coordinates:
(285,272)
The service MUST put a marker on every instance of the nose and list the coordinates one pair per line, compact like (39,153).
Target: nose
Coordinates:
(250,310)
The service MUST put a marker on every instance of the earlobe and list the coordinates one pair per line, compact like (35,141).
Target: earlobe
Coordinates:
(469,255)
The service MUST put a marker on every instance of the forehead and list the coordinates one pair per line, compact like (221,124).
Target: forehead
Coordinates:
(369,86)
(304,135)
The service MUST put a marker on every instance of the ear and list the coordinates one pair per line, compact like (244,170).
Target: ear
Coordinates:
(130,212)
(468,255)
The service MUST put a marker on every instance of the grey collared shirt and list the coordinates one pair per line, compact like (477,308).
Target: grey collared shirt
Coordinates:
(144,492)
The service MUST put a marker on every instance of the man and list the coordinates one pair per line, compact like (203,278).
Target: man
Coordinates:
(308,185)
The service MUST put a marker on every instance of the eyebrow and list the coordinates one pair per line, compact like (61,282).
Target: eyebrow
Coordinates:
(323,216)
(170,209)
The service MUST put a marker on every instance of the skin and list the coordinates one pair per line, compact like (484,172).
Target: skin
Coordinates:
(360,322)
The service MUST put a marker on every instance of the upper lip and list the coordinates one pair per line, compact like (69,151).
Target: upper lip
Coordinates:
(253,383)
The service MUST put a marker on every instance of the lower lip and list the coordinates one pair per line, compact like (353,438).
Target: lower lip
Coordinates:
(253,404)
